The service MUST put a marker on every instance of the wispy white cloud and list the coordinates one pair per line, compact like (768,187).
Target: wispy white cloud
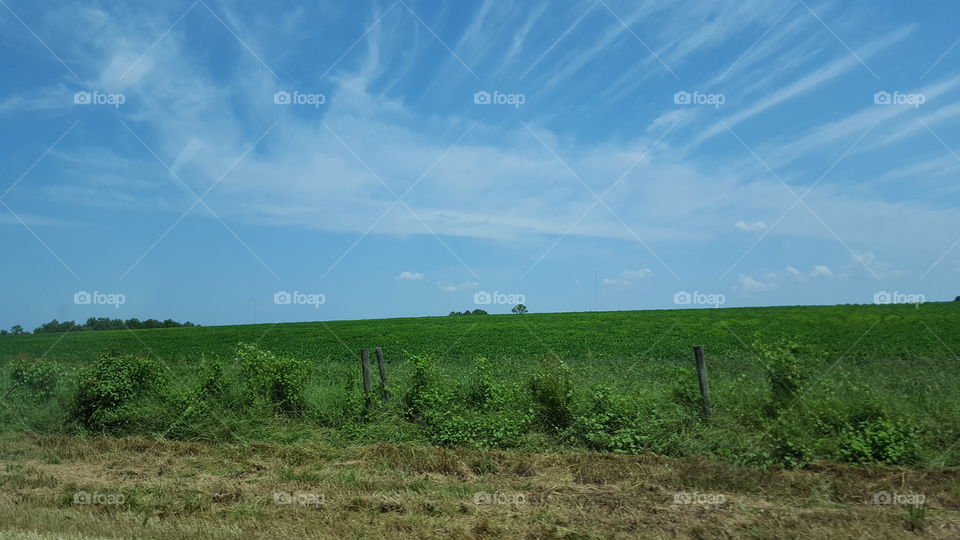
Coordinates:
(792,272)
(807,83)
(752,284)
(750,227)
(821,271)
(626,277)
(412,276)
(453,287)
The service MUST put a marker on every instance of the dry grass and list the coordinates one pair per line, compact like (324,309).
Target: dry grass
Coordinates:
(193,490)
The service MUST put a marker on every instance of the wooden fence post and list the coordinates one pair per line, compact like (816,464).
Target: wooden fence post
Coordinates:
(365,366)
(383,373)
(702,376)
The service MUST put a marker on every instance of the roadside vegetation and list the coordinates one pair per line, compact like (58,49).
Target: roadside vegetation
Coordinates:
(779,398)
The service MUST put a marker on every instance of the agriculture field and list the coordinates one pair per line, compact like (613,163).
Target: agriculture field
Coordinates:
(859,332)
(868,388)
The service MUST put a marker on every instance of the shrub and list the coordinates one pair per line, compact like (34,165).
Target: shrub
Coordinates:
(609,425)
(275,381)
(425,394)
(479,430)
(788,366)
(108,390)
(788,446)
(37,380)
(211,379)
(483,394)
(880,440)
(552,394)
(685,390)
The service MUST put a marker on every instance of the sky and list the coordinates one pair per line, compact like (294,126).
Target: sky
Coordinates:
(231,162)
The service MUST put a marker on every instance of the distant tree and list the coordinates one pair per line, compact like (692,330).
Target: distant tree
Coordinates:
(16,330)
(4,333)
(519,308)
(57,326)
(957,299)
(479,312)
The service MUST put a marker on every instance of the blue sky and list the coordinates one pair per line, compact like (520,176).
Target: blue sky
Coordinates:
(400,158)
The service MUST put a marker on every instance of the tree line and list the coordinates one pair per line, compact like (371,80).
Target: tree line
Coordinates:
(469,312)
(97,323)
(519,308)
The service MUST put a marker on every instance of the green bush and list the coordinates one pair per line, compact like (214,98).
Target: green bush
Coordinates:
(477,419)
(878,440)
(552,394)
(483,393)
(788,365)
(271,380)
(789,446)
(425,394)
(108,392)
(36,380)
(609,425)
(212,377)
(479,430)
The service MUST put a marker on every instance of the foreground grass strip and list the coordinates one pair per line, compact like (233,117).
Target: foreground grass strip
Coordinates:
(67,487)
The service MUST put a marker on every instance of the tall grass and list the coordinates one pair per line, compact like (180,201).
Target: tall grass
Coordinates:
(834,412)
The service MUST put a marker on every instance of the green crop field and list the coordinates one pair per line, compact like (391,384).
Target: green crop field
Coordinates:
(792,389)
